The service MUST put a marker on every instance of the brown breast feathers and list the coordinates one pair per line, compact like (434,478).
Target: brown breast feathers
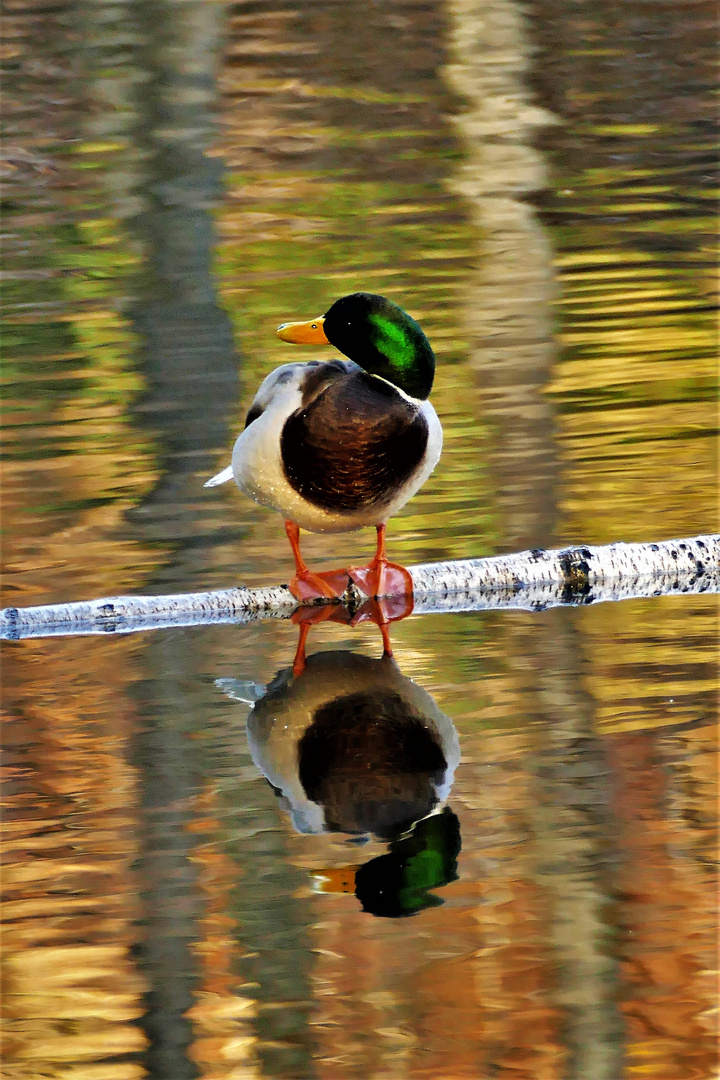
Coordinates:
(354,444)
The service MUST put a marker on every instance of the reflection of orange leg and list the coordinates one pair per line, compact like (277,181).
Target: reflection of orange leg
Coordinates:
(387,647)
(382,613)
(380,577)
(304,618)
(299,661)
(307,585)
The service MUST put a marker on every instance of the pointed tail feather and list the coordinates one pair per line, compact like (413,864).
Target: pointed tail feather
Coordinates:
(241,690)
(220,478)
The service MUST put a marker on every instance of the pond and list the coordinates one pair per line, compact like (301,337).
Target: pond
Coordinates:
(526,887)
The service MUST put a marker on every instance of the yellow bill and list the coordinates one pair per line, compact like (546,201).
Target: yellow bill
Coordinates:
(341,880)
(303,333)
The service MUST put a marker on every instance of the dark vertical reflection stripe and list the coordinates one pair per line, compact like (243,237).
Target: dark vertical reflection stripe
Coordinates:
(165,187)
(187,352)
(171,908)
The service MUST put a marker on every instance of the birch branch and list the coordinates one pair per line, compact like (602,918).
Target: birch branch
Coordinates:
(529,581)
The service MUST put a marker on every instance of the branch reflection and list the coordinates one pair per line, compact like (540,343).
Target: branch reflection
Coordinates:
(351,745)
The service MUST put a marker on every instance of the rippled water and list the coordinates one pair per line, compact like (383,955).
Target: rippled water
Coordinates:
(534,184)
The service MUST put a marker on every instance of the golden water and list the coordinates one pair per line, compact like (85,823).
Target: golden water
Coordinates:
(534,184)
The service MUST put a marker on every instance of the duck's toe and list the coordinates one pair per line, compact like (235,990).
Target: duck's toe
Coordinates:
(382,578)
(329,585)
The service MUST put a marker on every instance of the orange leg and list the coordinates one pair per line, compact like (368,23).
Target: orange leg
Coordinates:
(380,577)
(307,585)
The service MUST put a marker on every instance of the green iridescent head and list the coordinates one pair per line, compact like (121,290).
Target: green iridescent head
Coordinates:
(384,340)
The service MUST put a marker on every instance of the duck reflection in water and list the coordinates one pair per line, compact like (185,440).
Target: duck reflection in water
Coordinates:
(351,745)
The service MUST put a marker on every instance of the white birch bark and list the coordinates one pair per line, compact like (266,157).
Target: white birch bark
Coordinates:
(530,580)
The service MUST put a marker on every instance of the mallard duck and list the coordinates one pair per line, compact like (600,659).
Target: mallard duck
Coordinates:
(339,445)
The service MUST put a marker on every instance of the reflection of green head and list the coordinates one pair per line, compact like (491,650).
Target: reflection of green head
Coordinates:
(384,340)
(398,884)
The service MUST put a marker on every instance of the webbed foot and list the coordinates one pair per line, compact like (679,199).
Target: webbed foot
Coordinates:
(382,578)
(330,585)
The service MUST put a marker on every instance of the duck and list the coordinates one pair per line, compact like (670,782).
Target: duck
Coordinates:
(342,444)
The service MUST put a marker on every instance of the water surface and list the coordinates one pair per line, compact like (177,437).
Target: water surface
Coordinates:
(535,186)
